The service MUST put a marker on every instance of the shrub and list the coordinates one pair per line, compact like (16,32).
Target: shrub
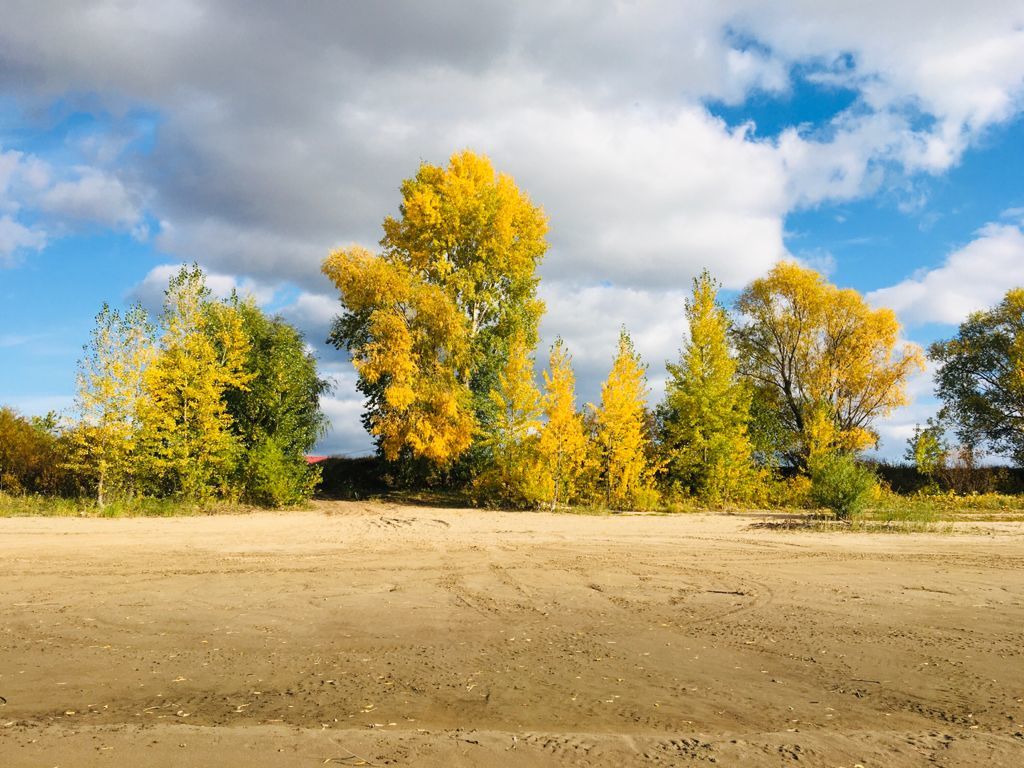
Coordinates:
(786,493)
(842,485)
(31,455)
(272,477)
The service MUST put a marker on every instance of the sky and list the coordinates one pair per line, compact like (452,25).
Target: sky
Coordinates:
(879,142)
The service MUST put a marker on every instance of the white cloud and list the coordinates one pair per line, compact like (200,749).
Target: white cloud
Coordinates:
(973,277)
(269,155)
(589,318)
(150,290)
(14,237)
(343,407)
(313,314)
(895,429)
(93,196)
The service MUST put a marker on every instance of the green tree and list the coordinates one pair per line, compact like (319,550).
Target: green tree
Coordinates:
(563,447)
(980,378)
(622,432)
(187,440)
(276,415)
(706,410)
(110,393)
(476,239)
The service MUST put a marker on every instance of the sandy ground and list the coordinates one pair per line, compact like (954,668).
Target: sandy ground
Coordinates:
(367,634)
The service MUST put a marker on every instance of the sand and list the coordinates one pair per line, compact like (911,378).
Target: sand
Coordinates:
(371,634)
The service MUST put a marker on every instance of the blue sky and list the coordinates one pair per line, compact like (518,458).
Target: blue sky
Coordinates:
(882,143)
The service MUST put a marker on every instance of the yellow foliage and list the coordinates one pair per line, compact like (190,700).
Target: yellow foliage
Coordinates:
(186,427)
(513,434)
(428,321)
(810,347)
(707,409)
(110,392)
(472,231)
(563,446)
(412,355)
(622,432)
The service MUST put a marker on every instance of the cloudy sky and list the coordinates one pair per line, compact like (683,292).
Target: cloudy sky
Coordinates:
(882,142)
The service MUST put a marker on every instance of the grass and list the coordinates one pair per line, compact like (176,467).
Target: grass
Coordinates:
(49,506)
(890,512)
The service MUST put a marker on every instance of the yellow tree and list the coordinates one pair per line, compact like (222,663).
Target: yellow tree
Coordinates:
(707,409)
(513,437)
(563,446)
(186,433)
(110,392)
(409,345)
(467,235)
(622,432)
(809,348)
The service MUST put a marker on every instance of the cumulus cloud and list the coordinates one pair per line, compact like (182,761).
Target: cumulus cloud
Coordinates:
(269,154)
(973,277)
(284,134)
(343,407)
(149,292)
(313,314)
(93,196)
(895,429)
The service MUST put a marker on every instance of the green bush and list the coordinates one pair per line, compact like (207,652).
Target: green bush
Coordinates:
(842,485)
(272,477)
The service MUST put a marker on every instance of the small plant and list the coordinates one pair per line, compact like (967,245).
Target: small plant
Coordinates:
(842,485)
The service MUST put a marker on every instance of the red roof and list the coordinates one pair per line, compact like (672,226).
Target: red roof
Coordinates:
(315,459)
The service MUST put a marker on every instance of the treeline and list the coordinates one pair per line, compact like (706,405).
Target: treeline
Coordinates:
(771,401)
(441,327)
(213,401)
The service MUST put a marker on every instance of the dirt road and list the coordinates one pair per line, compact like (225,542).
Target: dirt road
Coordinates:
(367,634)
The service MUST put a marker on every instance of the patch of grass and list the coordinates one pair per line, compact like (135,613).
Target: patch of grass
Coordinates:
(50,506)
(947,507)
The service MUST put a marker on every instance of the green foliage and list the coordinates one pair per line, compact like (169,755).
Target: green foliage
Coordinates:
(276,415)
(272,476)
(980,377)
(840,484)
(706,410)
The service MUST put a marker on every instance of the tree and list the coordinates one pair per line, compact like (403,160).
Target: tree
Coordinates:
(409,346)
(187,440)
(927,449)
(622,432)
(110,392)
(467,237)
(513,438)
(806,345)
(563,447)
(29,455)
(276,414)
(980,377)
(706,410)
